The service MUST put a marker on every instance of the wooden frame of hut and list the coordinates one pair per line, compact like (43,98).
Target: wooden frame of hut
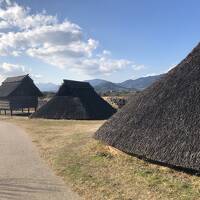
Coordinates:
(18,93)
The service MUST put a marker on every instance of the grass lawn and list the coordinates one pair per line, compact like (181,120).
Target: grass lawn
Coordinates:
(96,173)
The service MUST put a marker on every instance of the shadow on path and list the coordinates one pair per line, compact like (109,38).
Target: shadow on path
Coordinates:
(18,189)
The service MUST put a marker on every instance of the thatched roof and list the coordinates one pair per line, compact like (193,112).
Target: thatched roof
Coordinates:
(11,85)
(75,100)
(15,79)
(162,123)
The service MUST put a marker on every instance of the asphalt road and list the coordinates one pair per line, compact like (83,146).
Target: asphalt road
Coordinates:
(23,174)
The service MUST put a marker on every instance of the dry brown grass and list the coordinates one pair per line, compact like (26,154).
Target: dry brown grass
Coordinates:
(96,173)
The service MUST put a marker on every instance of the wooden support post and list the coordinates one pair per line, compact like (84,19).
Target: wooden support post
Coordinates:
(28,111)
(22,110)
(35,109)
(11,112)
(5,112)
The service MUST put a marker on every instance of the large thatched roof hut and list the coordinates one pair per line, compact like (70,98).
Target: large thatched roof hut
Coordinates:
(75,100)
(162,123)
(18,92)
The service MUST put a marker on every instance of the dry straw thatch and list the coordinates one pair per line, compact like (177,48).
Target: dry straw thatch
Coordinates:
(75,100)
(18,93)
(162,123)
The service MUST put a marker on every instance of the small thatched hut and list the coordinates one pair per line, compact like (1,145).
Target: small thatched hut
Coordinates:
(162,123)
(75,100)
(18,93)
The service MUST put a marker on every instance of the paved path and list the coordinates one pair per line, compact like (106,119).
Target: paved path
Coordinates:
(23,174)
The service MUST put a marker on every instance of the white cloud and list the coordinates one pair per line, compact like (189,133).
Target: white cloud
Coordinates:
(8,69)
(138,67)
(104,64)
(36,76)
(106,53)
(61,44)
(151,74)
(15,16)
(65,36)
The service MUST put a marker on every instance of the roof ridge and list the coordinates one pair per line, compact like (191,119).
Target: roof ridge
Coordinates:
(15,79)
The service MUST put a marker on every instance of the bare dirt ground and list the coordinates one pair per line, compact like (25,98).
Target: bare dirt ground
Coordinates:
(23,174)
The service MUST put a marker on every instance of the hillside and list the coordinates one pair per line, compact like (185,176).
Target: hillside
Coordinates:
(109,86)
(102,86)
(140,83)
(96,82)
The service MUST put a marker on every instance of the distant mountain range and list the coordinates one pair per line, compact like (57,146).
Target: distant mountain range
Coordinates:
(47,87)
(103,86)
(141,83)
(107,86)
(96,82)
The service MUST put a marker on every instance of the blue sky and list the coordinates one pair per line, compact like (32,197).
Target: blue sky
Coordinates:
(114,39)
